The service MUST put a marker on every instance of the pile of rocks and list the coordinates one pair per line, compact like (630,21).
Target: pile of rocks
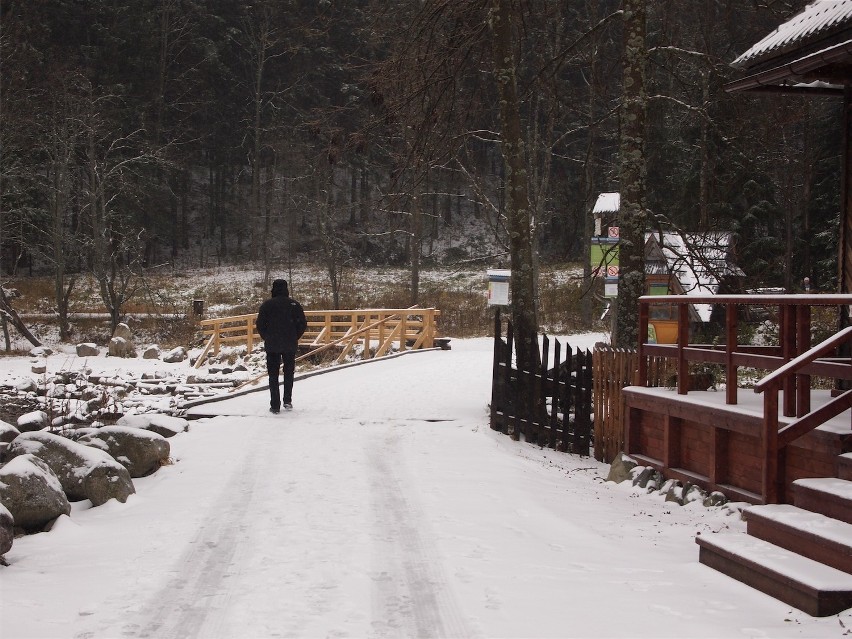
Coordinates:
(43,471)
(625,468)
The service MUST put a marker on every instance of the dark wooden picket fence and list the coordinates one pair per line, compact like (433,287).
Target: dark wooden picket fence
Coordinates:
(552,406)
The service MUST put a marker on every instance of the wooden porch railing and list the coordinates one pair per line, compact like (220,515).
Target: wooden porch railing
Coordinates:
(377,330)
(792,363)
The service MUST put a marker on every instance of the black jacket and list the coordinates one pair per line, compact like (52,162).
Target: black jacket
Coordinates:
(281,321)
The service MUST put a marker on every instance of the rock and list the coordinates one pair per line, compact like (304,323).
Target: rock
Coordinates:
(36,420)
(73,463)
(175,355)
(8,432)
(26,385)
(39,369)
(151,351)
(41,351)
(620,468)
(715,499)
(123,331)
(119,347)
(32,493)
(164,425)
(694,493)
(141,452)
(649,479)
(7,531)
(87,350)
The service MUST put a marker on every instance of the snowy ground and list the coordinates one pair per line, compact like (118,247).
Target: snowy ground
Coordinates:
(382,506)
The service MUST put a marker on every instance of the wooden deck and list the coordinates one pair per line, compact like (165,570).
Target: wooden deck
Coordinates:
(750,444)
(701,439)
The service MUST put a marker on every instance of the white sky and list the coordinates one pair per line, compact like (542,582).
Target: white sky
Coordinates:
(382,506)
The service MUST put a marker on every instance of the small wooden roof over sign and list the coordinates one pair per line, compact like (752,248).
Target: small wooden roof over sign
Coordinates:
(811,52)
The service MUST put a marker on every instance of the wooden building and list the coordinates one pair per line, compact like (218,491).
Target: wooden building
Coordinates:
(784,445)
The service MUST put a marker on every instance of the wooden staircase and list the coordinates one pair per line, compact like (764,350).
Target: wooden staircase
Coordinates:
(800,554)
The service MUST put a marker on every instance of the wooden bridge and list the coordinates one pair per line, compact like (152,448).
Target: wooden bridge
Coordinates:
(377,331)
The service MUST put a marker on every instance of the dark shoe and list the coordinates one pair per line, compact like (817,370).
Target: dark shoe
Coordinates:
(275,411)
(288,406)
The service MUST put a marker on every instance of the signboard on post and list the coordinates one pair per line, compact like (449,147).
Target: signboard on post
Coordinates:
(498,287)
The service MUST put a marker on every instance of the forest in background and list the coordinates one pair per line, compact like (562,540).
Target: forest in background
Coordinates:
(146,133)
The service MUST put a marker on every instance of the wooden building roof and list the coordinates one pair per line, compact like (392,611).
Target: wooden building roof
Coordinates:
(811,52)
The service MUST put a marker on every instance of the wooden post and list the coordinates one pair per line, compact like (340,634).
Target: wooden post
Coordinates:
(770,446)
(642,369)
(730,347)
(803,344)
(555,394)
(682,342)
(788,352)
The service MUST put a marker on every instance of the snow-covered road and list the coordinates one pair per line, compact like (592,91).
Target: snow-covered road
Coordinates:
(382,506)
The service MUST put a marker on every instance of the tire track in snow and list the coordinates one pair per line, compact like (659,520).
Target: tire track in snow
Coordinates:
(411,595)
(192,602)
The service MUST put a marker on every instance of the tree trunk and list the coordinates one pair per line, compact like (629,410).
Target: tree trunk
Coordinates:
(522,282)
(633,214)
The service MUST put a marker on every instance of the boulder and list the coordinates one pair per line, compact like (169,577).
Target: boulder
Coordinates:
(39,369)
(41,351)
(164,425)
(88,350)
(73,463)
(119,347)
(152,351)
(35,420)
(620,469)
(175,355)
(8,432)
(26,385)
(141,452)
(7,532)
(123,331)
(32,493)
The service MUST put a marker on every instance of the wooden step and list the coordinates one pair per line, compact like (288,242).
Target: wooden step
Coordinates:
(844,466)
(807,533)
(827,495)
(808,585)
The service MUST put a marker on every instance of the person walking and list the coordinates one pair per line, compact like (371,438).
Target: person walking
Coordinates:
(281,322)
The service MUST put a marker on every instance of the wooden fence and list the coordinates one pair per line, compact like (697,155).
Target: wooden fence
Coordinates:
(377,331)
(556,412)
(613,369)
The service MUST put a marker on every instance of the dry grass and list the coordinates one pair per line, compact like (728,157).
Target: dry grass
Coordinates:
(161,308)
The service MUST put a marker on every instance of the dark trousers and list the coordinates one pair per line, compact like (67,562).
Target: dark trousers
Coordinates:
(274,362)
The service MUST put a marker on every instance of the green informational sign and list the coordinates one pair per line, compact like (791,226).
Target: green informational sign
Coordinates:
(604,253)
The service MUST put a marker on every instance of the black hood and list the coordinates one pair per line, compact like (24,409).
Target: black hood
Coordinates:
(279,287)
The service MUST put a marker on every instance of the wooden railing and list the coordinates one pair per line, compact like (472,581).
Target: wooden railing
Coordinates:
(792,363)
(378,331)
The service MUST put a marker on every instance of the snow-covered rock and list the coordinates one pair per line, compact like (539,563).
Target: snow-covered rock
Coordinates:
(7,432)
(152,351)
(83,471)
(175,355)
(41,351)
(35,420)
(26,385)
(39,369)
(7,532)
(141,452)
(164,425)
(88,350)
(32,492)
(120,347)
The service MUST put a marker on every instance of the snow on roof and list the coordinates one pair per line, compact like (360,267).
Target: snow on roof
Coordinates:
(607,203)
(814,20)
(697,260)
